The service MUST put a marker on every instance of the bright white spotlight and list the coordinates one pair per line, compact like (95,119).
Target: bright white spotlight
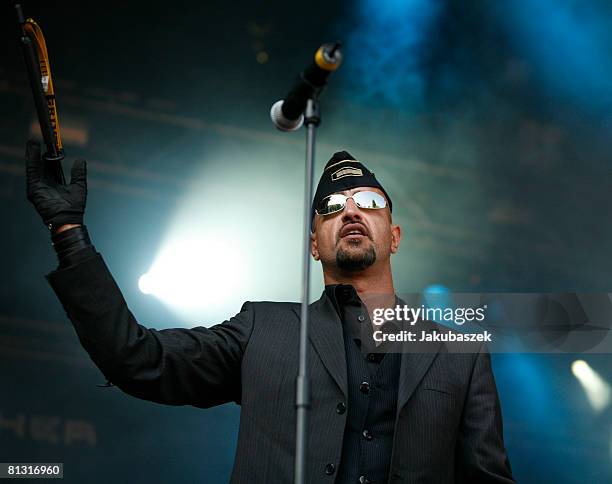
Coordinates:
(194,272)
(596,388)
(144,284)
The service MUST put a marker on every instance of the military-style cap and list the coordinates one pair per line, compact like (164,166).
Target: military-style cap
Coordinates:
(343,172)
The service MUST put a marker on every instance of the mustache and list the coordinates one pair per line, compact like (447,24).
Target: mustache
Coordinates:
(353,226)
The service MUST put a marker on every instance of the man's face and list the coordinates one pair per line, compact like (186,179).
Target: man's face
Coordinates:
(354,239)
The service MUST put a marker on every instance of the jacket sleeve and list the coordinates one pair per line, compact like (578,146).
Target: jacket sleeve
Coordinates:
(198,366)
(481,454)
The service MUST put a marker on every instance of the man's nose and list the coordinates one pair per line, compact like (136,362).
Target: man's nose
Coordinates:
(351,209)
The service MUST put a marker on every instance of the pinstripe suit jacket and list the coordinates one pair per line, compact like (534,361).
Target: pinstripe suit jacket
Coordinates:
(448,421)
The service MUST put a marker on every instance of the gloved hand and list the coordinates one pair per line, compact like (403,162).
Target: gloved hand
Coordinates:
(57,203)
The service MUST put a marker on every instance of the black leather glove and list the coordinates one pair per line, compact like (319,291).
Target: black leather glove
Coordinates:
(57,203)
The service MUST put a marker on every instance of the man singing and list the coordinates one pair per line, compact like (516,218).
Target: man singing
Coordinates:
(375,417)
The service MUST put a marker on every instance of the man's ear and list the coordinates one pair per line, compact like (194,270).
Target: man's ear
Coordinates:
(314,249)
(396,237)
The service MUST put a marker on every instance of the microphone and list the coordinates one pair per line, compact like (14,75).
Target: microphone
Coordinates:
(288,114)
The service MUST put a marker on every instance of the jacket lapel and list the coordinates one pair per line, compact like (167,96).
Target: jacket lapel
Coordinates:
(413,368)
(325,334)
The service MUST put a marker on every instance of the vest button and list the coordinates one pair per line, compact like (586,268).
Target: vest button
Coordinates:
(367,435)
(364,387)
(361,317)
(330,469)
(340,408)
(364,480)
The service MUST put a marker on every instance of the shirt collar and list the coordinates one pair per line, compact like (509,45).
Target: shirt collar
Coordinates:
(341,295)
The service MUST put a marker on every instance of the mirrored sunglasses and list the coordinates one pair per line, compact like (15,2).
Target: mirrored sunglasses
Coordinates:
(336,202)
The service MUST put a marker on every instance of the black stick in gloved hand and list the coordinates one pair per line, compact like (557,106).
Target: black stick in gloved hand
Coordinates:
(61,206)
(58,204)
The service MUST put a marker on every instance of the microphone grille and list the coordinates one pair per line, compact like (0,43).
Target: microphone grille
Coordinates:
(281,122)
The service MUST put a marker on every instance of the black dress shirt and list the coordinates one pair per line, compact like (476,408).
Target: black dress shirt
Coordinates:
(373,388)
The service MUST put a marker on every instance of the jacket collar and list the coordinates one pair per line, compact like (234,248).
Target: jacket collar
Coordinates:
(325,334)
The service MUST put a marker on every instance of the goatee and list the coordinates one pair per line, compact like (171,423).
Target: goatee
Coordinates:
(354,262)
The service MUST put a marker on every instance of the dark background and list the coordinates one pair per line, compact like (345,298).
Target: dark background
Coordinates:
(488,123)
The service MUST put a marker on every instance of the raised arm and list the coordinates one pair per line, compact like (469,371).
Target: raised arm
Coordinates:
(199,366)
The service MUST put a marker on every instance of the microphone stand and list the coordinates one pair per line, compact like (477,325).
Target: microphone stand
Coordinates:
(312,119)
